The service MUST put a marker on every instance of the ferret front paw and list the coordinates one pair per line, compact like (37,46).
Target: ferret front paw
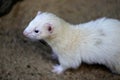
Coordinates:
(58,69)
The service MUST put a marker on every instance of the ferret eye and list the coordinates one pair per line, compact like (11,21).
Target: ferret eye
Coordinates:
(36,31)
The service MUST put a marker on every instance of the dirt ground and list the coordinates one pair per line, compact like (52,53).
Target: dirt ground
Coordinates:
(22,59)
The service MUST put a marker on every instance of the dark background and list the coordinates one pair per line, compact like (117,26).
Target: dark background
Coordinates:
(22,59)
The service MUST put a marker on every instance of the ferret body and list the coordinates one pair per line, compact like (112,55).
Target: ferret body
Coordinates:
(92,42)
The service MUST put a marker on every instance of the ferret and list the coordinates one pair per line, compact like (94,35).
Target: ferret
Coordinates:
(94,42)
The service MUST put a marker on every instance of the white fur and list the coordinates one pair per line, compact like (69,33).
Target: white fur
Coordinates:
(58,69)
(92,42)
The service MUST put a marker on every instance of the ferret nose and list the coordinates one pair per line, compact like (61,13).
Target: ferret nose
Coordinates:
(25,33)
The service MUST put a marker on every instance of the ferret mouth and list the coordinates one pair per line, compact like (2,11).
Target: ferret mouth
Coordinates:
(31,37)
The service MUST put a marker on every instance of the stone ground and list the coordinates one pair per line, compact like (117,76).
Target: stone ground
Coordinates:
(22,59)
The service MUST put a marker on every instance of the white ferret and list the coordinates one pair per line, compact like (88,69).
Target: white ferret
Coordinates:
(92,42)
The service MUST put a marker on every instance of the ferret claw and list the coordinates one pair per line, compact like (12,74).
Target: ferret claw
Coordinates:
(57,69)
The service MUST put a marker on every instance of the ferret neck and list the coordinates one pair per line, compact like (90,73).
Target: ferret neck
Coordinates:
(60,35)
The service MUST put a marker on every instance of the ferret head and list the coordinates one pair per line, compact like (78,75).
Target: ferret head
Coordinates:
(42,26)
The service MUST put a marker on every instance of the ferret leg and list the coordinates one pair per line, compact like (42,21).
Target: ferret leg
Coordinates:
(60,68)
(66,63)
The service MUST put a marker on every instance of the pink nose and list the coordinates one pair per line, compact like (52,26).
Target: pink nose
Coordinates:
(25,33)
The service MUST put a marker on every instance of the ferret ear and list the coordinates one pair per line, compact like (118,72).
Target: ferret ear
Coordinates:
(49,27)
(39,12)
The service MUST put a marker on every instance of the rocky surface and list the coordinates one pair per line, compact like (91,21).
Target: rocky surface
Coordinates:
(22,59)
